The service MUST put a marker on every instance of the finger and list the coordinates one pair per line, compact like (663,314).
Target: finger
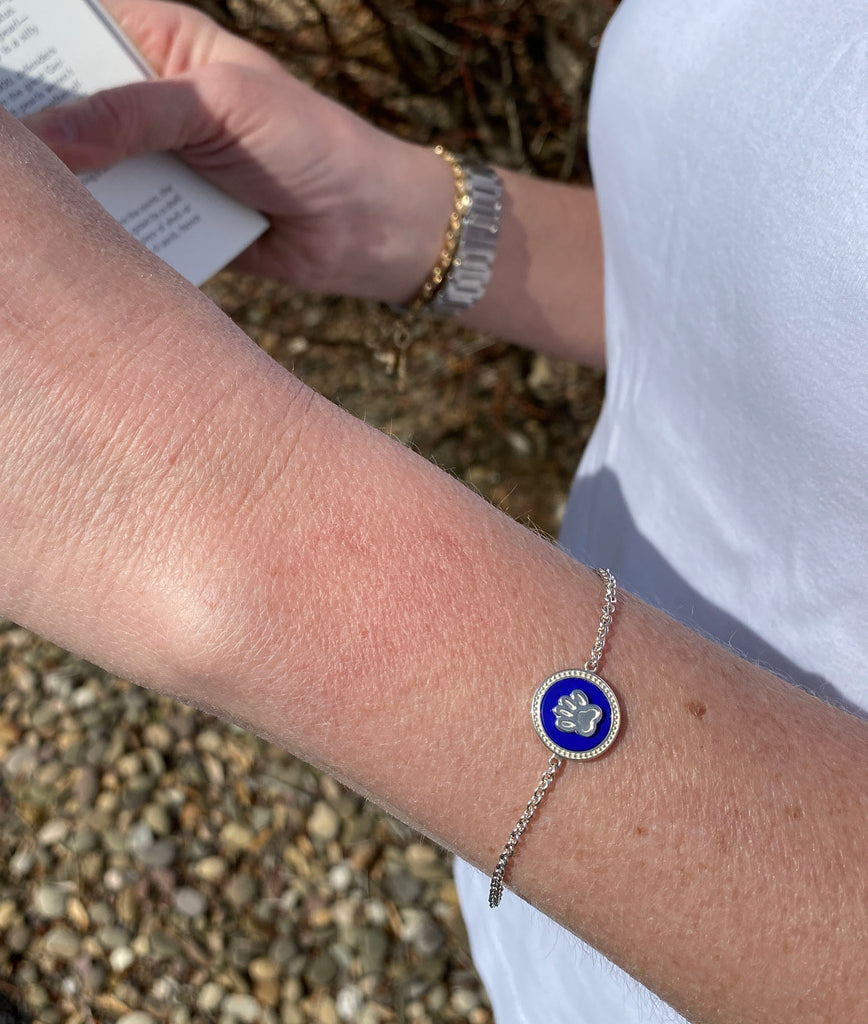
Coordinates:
(174,38)
(161,32)
(145,117)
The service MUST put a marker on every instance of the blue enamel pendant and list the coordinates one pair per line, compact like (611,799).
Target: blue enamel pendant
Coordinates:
(576,714)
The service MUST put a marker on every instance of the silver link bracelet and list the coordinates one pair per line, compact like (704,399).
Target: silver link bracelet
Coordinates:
(577,716)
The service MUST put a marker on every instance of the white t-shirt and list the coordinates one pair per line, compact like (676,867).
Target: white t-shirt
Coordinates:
(727,479)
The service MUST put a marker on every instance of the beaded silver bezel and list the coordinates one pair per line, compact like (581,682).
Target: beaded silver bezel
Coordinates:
(536,712)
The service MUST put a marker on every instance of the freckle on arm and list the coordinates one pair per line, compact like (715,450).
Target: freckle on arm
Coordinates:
(696,708)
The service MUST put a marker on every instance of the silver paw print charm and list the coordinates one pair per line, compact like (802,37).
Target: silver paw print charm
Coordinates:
(575,713)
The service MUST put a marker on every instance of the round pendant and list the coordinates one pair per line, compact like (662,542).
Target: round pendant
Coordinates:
(576,714)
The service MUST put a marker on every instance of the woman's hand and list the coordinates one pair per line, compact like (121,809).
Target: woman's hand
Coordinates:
(352,209)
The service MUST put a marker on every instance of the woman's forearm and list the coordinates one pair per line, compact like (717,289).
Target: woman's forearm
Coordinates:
(178,508)
(546,292)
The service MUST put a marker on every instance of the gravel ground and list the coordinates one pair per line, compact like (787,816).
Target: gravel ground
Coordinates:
(162,866)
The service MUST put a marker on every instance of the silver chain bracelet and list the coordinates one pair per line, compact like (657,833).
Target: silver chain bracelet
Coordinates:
(577,716)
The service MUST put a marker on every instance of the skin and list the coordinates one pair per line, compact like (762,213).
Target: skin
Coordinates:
(179,509)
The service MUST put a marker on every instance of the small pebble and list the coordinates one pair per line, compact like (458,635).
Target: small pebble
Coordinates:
(243,1008)
(240,890)
(77,914)
(263,969)
(321,970)
(349,1003)
(121,958)
(17,938)
(267,992)
(53,832)
(341,877)
(189,901)
(211,869)
(21,862)
(49,901)
(403,887)
(159,855)
(21,760)
(235,837)
(422,932)
(61,942)
(324,822)
(463,1001)
(8,913)
(112,937)
(157,818)
(140,838)
(326,1011)
(210,997)
(114,880)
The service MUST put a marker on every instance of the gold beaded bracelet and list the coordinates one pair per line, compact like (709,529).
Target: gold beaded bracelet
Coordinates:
(460,207)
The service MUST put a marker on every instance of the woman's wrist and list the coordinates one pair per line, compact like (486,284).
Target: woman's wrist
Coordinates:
(546,288)
(392,219)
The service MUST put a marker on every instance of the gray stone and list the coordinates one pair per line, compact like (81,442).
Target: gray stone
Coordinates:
(21,862)
(163,946)
(157,817)
(84,840)
(282,951)
(243,950)
(21,760)
(139,838)
(160,855)
(49,901)
(403,887)
(373,950)
(422,932)
(260,818)
(189,901)
(45,715)
(240,890)
(112,937)
(17,938)
(62,942)
(321,970)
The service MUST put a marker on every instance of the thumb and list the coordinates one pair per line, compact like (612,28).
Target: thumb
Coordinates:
(105,128)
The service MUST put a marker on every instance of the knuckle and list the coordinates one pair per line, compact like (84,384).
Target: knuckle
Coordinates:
(110,116)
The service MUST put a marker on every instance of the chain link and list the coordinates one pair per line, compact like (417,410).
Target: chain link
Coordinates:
(605,619)
(496,891)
